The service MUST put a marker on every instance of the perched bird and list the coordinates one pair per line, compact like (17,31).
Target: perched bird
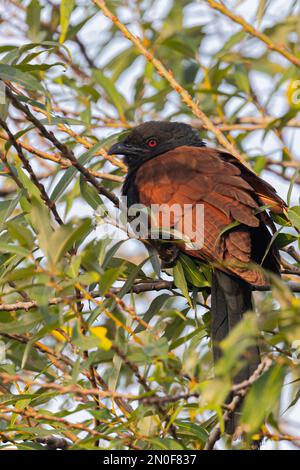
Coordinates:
(168,163)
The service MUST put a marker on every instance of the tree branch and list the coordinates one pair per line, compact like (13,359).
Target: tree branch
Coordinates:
(136,289)
(254,32)
(239,391)
(168,75)
(65,151)
(50,204)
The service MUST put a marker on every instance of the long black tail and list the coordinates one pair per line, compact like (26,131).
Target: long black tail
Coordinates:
(230,299)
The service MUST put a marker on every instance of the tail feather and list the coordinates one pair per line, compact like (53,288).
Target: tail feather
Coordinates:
(231,297)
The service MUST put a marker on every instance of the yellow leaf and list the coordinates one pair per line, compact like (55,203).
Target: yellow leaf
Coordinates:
(293,94)
(100,332)
(59,336)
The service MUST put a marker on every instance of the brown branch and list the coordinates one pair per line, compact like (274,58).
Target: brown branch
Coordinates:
(295,440)
(141,379)
(136,289)
(168,75)
(65,151)
(39,153)
(254,32)
(64,389)
(30,412)
(50,204)
(152,400)
(289,268)
(63,162)
(57,357)
(293,253)
(240,123)
(261,121)
(290,164)
(53,420)
(84,52)
(7,191)
(282,175)
(239,391)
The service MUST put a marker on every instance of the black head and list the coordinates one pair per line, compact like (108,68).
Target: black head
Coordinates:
(153,138)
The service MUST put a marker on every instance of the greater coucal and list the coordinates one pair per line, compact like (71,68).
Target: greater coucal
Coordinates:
(168,163)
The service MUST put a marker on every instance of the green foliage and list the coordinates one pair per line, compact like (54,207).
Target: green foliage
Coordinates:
(66,8)
(80,311)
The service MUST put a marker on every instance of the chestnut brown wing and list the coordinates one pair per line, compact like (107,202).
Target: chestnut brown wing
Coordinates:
(264,192)
(192,175)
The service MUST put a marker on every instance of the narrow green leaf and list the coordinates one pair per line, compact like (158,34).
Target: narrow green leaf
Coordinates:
(71,172)
(7,248)
(294,216)
(194,429)
(90,194)
(262,397)
(241,78)
(113,94)
(12,74)
(109,277)
(192,272)
(153,310)
(180,281)
(41,222)
(65,236)
(284,239)
(131,278)
(7,208)
(111,252)
(33,19)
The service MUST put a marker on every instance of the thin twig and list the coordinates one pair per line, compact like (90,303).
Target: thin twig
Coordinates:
(168,75)
(65,151)
(254,32)
(239,391)
(50,204)
(136,289)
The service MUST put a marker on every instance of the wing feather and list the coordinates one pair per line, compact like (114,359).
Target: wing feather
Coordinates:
(192,175)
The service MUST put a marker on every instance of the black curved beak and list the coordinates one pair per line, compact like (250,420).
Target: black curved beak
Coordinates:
(119,148)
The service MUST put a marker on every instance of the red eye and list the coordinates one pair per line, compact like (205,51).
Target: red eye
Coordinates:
(152,143)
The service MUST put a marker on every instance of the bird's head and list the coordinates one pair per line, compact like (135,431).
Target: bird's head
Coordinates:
(153,138)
